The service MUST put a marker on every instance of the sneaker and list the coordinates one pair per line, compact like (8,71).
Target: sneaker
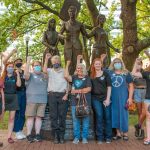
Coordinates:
(38,138)
(20,136)
(10,140)
(146,142)
(137,130)
(75,141)
(30,138)
(23,135)
(99,142)
(108,141)
(84,141)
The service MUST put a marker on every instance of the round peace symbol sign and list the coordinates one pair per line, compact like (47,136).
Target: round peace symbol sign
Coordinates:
(117,81)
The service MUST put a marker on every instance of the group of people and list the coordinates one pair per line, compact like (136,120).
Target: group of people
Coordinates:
(107,91)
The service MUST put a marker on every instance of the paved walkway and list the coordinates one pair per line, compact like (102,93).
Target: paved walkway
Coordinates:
(132,144)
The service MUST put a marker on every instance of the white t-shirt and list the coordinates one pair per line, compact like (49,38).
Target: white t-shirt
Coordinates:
(56,81)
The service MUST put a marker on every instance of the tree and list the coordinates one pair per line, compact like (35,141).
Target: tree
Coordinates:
(32,15)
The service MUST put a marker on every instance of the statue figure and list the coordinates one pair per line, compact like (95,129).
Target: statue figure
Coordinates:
(51,39)
(102,44)
(73,46)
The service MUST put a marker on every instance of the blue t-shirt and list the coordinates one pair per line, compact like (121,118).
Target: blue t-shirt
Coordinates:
(80,83)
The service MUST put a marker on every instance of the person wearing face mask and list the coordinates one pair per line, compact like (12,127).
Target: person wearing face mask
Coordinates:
(36,94)
(11,82)
(121,97)
(139,96)
(21,94)
(57,97)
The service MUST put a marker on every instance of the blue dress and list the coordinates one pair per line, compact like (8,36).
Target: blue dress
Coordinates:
(119,97)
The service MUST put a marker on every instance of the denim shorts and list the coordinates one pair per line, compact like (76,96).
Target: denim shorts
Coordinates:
(147,101)
(139,95)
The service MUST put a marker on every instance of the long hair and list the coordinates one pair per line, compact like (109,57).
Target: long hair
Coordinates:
(93,71)
(4,73)
(83,68)
(124,70)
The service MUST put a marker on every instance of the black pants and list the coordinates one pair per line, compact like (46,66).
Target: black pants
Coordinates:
(58,112)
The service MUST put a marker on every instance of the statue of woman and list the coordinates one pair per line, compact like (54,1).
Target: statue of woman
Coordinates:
(51,39)
(102,44)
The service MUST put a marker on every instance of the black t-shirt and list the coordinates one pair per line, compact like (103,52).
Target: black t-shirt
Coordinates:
(10,85)
(99,86)
(22,87)
(146,76)
(80,83)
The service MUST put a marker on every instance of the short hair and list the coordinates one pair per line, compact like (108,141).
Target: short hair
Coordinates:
(54,58)
(18,59)
(36,61)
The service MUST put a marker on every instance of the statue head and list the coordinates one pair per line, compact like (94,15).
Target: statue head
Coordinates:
(52,24)
(101,19)
(72,11)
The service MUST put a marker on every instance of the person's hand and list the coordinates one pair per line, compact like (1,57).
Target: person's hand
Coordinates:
(48,56)
(130,101)
(106,102)
(103,56)
(65,97)
(29,58)
(79,57)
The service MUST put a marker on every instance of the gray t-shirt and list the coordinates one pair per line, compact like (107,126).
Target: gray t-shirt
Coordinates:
(36,88)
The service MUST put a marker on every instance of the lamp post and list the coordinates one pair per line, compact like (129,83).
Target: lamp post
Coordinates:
(27,38)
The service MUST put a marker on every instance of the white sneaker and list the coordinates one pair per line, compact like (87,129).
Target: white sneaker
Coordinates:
(19,136)
(23,135)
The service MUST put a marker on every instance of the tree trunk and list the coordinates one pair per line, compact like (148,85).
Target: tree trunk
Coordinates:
(128,16)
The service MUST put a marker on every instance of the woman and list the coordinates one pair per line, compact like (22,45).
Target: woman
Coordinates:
(81,83)
(146,76)
(121,97)
(139,96)
(36,93)
(2,100)
(21,94)
(57,97)
(11,81)
(101,91)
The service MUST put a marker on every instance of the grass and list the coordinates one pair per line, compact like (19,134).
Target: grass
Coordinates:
(3,125)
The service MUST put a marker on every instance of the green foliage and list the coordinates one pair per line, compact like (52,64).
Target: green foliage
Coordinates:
(23,17)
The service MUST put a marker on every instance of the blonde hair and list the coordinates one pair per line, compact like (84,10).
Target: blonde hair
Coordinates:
(56,57)
(124,70)
(83,68)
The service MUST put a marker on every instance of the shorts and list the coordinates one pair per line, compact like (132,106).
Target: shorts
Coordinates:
(139,95)
(147,101)
(35,109)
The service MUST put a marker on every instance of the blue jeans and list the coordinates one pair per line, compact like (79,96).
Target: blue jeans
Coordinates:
(20,114)
(103,120)
(77,125)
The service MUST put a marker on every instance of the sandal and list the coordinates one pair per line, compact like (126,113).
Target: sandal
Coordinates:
(125,138)
(10,140)
(117,137)
(147,142)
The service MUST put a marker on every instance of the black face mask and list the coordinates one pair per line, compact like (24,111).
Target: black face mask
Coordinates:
(18,65)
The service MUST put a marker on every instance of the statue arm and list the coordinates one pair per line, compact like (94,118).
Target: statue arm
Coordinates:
(91,34)
(111,46)
(62,30)
(84,35)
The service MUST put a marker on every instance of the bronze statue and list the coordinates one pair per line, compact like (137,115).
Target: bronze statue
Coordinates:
(73,46)
(51,39)
(102,44)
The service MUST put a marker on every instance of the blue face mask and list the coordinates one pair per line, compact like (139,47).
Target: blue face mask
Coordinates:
(117,66)
(37,69)
(57,65)
(10,70)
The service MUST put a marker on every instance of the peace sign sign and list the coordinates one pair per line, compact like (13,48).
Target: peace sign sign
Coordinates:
(117,81)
